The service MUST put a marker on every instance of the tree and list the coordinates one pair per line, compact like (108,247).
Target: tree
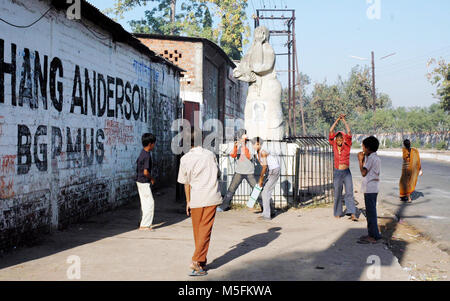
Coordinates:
(440,76)
(194,19)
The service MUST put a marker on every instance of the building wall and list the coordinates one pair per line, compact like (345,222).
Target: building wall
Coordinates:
(66,155)
(208,80)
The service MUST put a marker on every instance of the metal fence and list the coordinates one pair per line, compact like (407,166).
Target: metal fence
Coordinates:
(313,170)
(306,172)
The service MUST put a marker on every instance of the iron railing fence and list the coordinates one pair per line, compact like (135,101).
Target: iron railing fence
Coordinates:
(313,170)
(306,174)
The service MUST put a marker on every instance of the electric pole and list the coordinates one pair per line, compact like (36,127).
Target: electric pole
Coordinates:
(374,96)
(173,4)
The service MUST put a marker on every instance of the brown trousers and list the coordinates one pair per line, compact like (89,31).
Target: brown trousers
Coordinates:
(202,223)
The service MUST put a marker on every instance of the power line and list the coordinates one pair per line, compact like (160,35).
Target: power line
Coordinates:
(94,32)
(25,26)
(407,61)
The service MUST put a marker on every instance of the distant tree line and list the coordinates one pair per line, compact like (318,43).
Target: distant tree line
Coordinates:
(353,96)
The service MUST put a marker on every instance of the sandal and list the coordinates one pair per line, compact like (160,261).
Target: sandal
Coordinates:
(147,229)
(197,269)
(201,272)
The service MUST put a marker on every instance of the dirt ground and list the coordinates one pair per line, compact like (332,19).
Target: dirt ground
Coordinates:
(417,253)
(298,244)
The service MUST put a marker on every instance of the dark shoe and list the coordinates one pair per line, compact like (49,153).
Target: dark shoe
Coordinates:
(369,240)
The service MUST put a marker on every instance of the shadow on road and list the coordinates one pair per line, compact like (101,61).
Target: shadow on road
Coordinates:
(108,224)
(247,245)
(343,260)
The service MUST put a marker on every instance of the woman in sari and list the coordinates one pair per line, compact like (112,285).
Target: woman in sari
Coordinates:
(411,169)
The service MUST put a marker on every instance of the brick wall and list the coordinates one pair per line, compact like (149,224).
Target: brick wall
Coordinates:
(73,107)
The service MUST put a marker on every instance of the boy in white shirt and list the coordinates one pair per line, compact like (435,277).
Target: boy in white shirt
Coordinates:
(370,167)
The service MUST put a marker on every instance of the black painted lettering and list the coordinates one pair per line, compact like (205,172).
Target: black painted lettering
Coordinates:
(40,164)
(110,112)
(100,153)
(56,65)
(26,86)
(138,112)
(7,69)
(101,108)
(73,149)
(128,100)
(23,149)
(77,100)
(119,99)
(88,159)
(40,79)
(89,92)
(56,142)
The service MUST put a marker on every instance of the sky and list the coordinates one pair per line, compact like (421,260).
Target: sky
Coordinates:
(329,32)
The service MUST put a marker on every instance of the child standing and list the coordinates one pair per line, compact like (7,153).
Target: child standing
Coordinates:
(370,166)
(143,180)
(342,143)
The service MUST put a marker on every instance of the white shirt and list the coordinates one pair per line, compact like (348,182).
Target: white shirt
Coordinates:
(272,159)
(370,183)
(199,169)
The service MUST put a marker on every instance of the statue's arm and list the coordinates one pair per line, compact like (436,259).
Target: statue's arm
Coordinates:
(268,63)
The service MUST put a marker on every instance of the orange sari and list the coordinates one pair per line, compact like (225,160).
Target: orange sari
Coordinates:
(410,171)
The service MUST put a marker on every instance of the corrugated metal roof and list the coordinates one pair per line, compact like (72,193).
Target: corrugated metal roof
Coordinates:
(118,33)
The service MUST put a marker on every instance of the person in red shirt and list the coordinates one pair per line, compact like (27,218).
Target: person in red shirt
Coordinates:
(342,143)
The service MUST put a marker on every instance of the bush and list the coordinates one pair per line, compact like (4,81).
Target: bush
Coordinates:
(428,146)
(416,144)
(441,145)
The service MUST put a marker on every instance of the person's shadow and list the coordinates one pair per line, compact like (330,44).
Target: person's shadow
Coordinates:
(249,244)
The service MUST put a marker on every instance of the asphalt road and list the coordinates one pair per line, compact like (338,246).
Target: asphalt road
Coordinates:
(430,210)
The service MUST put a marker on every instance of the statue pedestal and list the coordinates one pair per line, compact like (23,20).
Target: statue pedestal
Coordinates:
(283,194)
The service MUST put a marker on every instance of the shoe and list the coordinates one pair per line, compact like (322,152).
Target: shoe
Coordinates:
(219,209)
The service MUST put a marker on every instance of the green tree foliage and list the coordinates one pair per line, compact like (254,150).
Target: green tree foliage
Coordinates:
(194,19)
(353,96)
(440,76)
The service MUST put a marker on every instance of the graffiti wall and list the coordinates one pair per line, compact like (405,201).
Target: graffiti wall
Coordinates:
(73,108)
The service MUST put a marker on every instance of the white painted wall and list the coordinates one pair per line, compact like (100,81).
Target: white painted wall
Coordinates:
(65,191)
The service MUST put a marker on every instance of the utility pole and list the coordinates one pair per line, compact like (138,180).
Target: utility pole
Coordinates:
(173,4)
(374,96)
(287,16)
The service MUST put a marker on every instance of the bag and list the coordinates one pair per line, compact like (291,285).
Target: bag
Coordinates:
(254,196)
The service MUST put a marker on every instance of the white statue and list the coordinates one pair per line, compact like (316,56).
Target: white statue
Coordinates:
(263,114)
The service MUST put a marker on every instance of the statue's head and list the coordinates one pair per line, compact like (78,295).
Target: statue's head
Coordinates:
(261,34)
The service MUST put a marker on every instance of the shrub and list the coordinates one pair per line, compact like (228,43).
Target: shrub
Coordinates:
(441,145)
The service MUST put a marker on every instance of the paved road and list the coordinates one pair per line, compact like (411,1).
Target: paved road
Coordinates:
(430,209)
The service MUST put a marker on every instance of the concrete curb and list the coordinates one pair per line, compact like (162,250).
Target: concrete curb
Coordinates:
(399,155)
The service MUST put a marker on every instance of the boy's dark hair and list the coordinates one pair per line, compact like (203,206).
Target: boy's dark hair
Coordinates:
(196,137)
(257,139)
(407,144)
(371,143)
(147,139)
(338,135)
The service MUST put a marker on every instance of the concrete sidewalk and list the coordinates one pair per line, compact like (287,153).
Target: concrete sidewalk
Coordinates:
(300,244)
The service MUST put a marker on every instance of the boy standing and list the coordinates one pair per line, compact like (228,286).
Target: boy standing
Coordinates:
(370,166)
(199,173)
(143,180)
(244,170)
(342,143)
(268,161)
